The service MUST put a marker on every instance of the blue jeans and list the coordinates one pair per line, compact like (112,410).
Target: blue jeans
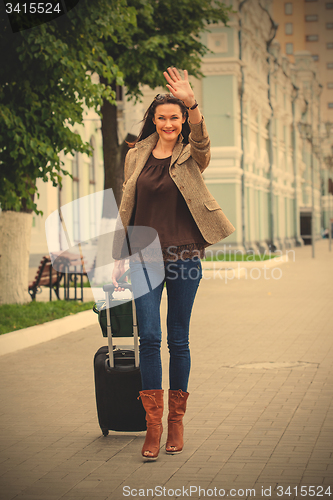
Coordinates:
(182,278)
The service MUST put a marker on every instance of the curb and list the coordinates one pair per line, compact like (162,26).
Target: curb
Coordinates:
(27,337)
(239,264)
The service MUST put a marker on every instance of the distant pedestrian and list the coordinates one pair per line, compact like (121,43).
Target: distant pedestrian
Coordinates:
(164,189)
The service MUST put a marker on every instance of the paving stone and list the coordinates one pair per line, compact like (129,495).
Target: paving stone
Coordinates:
(245,426)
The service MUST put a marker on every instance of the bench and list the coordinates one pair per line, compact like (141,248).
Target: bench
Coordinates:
(74,272)
(74,269)
(46,276)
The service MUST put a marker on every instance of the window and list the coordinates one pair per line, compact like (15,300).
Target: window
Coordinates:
(312,38)
(76,196)
(92,188)
(315,57)
(329,26)
(330,85)
(330,65)
(289,48)
(75,169)
(330,105)
(329,5)
(329,45)
(288,8)
(92,163)
(119,93)
(330,186)
(311,18)
(288,28)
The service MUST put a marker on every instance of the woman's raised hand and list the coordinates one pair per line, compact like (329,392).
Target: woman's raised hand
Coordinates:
(179,87)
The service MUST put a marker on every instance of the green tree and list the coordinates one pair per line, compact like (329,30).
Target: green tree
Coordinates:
(167,33)
(45,87)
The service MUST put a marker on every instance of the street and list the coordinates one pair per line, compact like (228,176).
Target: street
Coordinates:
(259,419)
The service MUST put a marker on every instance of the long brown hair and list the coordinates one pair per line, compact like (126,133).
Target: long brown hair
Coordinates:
(149,127)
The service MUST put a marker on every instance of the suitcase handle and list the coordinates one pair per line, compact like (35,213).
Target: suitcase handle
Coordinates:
(125,355)
(110,288)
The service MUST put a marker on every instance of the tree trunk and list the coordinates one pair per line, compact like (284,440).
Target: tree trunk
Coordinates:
(113,169)
(114,157)
(114,154)
(113,179)
(15,230)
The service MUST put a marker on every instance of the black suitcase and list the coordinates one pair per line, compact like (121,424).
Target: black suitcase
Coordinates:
(118,380)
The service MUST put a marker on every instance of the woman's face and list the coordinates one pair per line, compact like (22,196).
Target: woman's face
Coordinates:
(168,119)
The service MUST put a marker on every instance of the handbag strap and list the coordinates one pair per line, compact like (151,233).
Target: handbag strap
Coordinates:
(123,276)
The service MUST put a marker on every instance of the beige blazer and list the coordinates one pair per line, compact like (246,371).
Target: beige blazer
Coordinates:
(186,167)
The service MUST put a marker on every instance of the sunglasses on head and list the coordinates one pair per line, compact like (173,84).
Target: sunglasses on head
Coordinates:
(159,97)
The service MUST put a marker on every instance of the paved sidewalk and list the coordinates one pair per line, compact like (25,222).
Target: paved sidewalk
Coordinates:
(259,413)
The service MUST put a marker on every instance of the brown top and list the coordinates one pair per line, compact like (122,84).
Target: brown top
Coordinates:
(188,164)
(167,211)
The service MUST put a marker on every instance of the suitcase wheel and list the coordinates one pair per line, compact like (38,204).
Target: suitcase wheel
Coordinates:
(105,432)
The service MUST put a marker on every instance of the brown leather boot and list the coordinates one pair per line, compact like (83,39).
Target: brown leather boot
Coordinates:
(152,401)
(177,408)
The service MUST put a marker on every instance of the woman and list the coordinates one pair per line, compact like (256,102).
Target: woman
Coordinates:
(164,190)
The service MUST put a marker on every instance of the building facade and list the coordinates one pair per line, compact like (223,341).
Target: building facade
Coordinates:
(308,25)
(266,173)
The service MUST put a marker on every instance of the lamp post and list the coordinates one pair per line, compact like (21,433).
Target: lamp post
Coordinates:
(329,161)
(305,130)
